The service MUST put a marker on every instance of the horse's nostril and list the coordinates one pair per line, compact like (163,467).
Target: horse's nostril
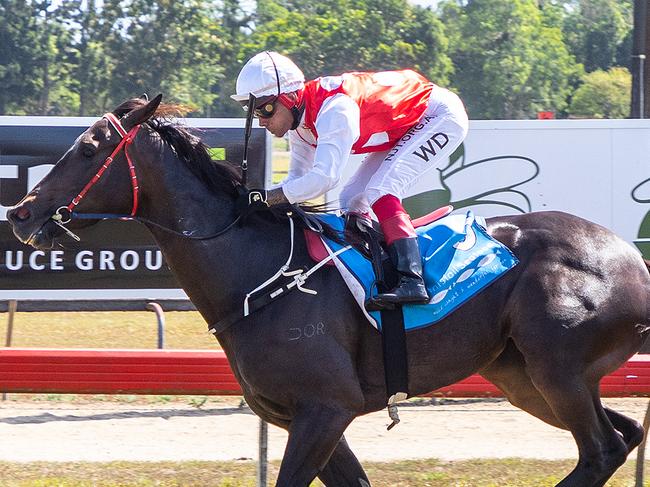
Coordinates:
(19,214)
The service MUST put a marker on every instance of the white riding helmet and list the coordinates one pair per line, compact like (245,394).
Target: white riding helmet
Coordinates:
(266,74)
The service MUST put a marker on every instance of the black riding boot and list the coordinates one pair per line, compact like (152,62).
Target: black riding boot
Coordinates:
(405,255)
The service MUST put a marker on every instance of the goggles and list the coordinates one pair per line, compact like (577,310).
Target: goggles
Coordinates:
(265,106)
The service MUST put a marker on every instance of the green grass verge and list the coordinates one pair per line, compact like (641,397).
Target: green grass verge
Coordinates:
(420,473)
(104,329)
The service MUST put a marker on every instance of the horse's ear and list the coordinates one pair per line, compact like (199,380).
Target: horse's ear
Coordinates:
(141,114)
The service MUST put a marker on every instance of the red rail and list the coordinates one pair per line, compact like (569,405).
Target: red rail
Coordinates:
(203,373)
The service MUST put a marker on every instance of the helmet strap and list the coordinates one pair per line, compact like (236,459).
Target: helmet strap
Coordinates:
(295,103)
(297,115)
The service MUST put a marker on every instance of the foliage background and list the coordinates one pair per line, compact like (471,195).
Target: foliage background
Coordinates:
(508,59)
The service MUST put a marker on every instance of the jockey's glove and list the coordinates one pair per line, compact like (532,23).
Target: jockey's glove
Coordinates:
(252,200)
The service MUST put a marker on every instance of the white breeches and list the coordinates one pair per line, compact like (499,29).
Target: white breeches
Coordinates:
(425,147)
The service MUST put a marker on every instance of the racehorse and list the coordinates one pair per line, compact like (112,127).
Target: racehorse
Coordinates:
(573,310)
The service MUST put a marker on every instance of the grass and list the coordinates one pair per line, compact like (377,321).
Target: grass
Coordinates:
(104,329)
(420,473)
(108,329)
(280,159)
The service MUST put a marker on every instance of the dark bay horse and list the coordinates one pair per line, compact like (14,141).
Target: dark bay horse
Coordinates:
(572,311)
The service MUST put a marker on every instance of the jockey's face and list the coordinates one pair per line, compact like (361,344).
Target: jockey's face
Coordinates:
(281,121)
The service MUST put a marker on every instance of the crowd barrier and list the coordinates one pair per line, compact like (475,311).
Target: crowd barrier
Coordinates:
(201,372)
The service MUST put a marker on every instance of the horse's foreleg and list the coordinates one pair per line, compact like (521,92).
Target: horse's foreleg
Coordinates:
(314,433)
(343,469)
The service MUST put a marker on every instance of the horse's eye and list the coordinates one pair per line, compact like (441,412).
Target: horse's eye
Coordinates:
(88,152)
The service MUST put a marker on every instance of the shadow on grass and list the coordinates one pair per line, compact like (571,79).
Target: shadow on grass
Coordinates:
(157,413)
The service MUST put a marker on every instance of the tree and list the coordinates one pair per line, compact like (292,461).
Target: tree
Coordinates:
(19,55)
(510,58)
(603,94)
(598,32)
(90,66)
(236,25)
(335,36)
(55,35)
(167,46)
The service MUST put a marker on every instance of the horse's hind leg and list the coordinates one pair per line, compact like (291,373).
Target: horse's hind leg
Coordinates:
(576,404)
(314,434)
(508,373)
(631,430)
(565,400)
(343,469)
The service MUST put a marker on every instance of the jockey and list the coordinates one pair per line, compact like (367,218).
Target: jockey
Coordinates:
(404,123)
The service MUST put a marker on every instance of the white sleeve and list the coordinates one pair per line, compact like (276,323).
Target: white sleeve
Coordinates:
(301,156)
(338,128)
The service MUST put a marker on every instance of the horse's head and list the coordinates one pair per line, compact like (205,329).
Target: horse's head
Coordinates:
(87,166)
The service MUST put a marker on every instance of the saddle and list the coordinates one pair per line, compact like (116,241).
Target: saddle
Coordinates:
(363,237)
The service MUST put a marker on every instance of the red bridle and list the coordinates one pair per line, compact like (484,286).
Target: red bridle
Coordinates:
(127,139)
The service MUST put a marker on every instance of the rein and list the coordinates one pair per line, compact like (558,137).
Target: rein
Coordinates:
(127,140)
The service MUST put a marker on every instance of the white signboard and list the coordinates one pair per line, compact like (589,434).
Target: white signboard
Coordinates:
(597,169)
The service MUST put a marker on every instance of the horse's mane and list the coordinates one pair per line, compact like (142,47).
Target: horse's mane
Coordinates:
(220,176)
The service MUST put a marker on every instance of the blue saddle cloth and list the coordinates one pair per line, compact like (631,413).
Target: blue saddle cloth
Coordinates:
(459,260)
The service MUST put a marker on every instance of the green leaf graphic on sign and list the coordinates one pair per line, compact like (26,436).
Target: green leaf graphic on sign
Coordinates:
(643,242)
(502,175)
(424,203)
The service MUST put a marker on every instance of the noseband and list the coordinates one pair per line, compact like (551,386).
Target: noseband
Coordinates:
(127,140)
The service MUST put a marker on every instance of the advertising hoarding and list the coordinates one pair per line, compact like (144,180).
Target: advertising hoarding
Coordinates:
(115,259)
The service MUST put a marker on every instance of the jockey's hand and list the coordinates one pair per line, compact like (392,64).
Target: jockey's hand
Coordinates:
(252,200)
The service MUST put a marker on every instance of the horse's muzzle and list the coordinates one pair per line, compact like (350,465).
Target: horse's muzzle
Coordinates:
(28,230)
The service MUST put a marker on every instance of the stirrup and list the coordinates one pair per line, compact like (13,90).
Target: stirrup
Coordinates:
(393,414)
(373,304)
(406,298)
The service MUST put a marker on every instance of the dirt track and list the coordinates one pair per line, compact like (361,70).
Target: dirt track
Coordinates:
(107,431)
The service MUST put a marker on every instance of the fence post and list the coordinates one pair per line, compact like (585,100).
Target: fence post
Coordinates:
(262,456)
(640,454)
(11,308)
(160,316)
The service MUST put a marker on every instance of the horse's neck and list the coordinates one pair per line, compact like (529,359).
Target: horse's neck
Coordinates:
(173,197)
(215,273)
